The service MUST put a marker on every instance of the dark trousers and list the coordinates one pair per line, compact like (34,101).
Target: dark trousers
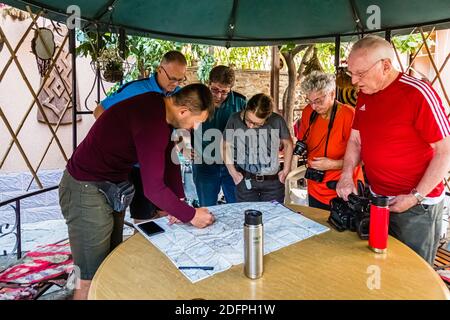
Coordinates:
(419,228)
(266,190)
(140,208)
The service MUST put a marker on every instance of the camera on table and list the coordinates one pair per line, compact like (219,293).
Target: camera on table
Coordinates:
(353,215)
(300,148)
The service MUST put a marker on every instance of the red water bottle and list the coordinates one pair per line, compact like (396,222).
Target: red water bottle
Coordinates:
(379,224)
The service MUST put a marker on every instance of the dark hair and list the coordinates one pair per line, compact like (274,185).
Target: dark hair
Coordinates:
(195,96)
(174,56)
(261,104)
(223,75)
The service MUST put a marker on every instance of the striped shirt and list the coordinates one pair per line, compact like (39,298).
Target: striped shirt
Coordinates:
(397,126)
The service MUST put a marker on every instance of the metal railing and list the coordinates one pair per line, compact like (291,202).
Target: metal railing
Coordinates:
(16,229)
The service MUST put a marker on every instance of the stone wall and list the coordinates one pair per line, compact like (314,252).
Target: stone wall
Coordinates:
(250,82)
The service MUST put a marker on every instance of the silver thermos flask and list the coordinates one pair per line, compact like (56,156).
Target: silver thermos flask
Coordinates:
(253,244)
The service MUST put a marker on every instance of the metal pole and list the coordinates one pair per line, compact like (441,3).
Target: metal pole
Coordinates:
(122,46)
(98,76)
(337,57)
(72,46)
(18,230)
(388,35)
(337,51)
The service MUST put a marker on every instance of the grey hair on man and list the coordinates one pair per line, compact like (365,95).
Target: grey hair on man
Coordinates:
(318,81)
(378,47)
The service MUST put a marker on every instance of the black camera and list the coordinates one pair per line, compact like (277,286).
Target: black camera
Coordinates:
(300,148)
(353,215)
(314,174)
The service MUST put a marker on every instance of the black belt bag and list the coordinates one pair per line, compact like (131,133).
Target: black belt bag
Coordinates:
(118,196)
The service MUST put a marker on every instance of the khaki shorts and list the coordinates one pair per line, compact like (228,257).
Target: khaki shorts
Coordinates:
(94,229)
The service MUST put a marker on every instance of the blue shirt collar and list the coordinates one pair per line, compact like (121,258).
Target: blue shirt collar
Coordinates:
(154,84)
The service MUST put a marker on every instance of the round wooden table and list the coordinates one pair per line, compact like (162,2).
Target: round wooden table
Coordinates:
(332,265)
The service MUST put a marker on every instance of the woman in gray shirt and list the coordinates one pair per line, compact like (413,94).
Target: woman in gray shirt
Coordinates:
(252,142)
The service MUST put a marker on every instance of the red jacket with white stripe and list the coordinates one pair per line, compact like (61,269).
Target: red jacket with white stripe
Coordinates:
(397,126)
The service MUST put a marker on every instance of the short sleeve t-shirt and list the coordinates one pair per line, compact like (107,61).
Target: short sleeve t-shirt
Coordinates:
(397,126)
(256,150)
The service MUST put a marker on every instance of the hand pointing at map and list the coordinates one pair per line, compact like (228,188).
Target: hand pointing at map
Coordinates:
(202,218)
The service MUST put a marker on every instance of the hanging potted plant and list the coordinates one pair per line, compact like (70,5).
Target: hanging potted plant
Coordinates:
(104,52)
(111,65)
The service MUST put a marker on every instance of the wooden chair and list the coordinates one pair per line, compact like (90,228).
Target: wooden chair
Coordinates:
(442,262)
(292,183)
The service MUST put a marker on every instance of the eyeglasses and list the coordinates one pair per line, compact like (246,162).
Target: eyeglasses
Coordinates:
(317,101)
(217,91)
(249,122)
(172,79)
(361,75)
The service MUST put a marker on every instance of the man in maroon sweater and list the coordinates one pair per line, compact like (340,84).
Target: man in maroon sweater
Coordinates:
(138,132)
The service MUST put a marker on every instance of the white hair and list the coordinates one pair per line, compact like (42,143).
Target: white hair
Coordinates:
(376,46)
(318,81)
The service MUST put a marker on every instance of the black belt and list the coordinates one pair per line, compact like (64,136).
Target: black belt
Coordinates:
(257,177)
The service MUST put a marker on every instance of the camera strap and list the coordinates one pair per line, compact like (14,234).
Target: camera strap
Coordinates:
(330,125)
(312,118)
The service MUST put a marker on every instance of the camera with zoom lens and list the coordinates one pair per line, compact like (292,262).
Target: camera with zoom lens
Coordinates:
(314,174)
(300,148)
(353,215)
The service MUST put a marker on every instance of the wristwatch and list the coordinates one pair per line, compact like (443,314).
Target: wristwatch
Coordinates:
(416,194)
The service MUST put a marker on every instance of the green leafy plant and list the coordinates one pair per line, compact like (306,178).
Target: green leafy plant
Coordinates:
(204,68)
(410,43)
(147,54)
(104,52)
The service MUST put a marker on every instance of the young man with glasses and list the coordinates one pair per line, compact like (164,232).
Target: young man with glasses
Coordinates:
(166,80)
(209,175)
(402,134)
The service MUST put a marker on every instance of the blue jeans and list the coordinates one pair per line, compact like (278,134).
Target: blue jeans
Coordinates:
(208,179)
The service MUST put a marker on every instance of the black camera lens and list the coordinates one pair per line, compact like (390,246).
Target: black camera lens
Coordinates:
(314,174)
(300,148)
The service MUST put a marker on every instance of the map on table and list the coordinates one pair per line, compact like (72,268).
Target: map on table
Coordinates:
(221,245)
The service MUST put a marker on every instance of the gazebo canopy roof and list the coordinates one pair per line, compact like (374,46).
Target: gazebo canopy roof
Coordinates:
(249,22)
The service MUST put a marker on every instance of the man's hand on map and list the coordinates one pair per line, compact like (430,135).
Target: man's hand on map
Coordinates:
(173,220)
(202,218)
